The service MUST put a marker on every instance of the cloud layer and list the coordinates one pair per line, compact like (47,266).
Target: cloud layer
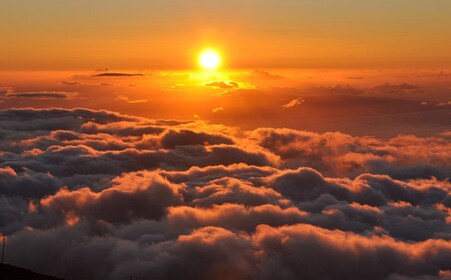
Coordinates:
(88,194)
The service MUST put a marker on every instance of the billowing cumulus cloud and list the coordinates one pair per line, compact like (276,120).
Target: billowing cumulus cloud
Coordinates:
(88,194)
(339,154)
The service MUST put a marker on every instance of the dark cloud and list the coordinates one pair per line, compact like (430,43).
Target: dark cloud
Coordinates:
(437,74)
(338,90)
(172,138)
(396,89)
(223,85)
(70,83)
(113,74)
(88,194)
(260,74)
(41,95)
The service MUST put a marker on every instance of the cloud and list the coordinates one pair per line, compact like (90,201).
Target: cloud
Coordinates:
(437,74)
(93,194)
(113,74)
(396,89)
(448,103)
(143,195)
(70,83)
(337,89)
(127,100)
(5,90)
(217,109)
(339,154)
(293,103)
(65,83)
(223,85)
(260,74)
(42,95)
(9,94)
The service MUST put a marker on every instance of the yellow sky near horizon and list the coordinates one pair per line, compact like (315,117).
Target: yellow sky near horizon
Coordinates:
(62,35)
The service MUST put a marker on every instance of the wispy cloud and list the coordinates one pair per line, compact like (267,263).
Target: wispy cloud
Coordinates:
(293,103)
(127,100)
(223,85)
(116,74)
(396,89)
(217,109)
(337,89)
(261,74)
(9,94)
(70,83)
(446,103)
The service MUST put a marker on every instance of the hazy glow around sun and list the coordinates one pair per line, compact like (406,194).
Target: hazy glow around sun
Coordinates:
(210,59)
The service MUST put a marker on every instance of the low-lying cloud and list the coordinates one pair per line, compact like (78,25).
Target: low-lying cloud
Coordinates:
(87,194)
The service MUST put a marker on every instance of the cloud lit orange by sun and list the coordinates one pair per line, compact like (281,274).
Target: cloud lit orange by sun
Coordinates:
(210,59)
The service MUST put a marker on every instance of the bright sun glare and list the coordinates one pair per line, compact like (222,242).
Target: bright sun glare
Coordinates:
(210,59)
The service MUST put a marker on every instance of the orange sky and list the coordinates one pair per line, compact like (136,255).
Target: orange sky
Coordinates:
(56,35)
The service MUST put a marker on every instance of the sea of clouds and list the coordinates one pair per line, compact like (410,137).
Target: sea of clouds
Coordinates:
(91,194)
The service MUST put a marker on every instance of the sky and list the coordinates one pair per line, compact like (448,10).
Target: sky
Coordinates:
(82,35)
(319,148)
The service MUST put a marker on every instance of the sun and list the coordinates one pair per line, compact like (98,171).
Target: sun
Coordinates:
(209,59)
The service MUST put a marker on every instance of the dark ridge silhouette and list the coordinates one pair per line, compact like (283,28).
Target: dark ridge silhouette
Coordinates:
(9,272)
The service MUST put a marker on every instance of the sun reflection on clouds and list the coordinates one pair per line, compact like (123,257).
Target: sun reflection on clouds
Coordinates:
(217,82)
